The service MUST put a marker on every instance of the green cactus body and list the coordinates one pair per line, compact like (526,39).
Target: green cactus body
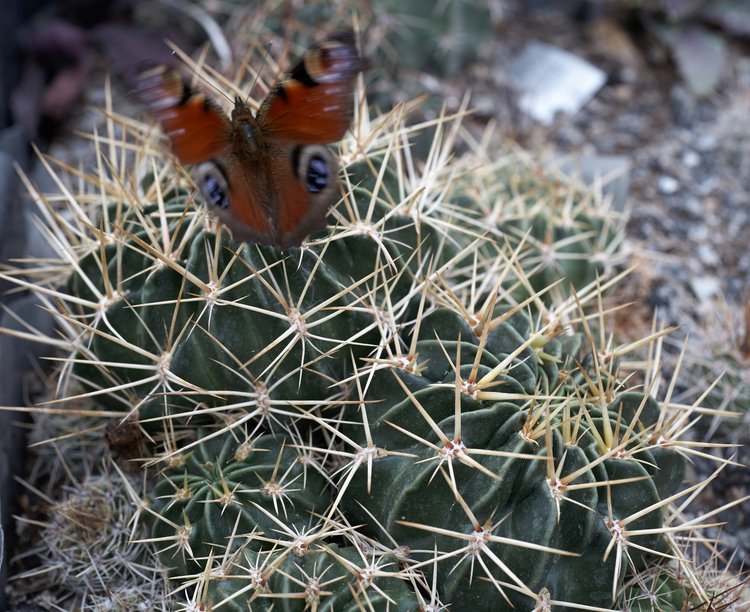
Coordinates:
(162,314)
(227,324)
(438,37)
(661,592)
(254,369)
(327,579)
(573,252)
(241,322)
(257,334)
(519,503)
(226,489)
(565,236)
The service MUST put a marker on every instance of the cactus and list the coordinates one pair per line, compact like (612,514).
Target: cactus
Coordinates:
(704,585)
(721,355)
(241,318)
(660,593)
(87,554)
(400,413)
(327,578)
(572,233)
(173,311)
(546,494)
(228,486)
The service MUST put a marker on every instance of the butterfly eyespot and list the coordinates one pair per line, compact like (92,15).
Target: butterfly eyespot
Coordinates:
(314,166)
(213,184)
(317,174)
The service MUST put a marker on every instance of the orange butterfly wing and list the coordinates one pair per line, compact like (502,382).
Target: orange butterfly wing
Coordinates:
(313,103)
(197,128)
(309,117)
(310,107)
(301,210)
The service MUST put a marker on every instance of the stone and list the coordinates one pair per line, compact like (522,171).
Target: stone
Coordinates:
(705,143)
(708,255)
(667,185)
(551,80)
(16,359)
(690,159)
(705,287)
(13,147)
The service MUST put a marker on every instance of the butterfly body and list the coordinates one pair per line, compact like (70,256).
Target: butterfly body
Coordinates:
(268,176)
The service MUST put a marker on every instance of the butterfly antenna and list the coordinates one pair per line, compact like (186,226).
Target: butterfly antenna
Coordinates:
(257,74)
(201,72)
(215,87)
(197,69)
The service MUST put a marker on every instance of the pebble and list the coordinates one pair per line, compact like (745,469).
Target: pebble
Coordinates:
(698,233)
(664,297)
(705,287)
(708,255)
(707,186)
(683,105)
(706,143)
(694,206)
(691,159)
(667,185)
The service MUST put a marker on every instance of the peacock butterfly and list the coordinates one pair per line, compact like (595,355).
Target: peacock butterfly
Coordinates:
(271,177)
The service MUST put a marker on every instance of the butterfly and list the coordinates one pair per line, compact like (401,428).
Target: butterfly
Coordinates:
(269,177)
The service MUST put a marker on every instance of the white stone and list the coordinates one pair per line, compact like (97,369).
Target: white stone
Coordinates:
(667,185)
(551,80)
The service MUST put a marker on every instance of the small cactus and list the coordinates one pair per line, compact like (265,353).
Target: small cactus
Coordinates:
(225,488)
(87,552)
(327,578)
(440,38)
